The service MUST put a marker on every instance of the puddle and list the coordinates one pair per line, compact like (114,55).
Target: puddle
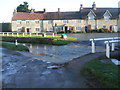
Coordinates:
(58,54)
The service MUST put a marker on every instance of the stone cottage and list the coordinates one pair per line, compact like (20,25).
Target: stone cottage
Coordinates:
(84,19)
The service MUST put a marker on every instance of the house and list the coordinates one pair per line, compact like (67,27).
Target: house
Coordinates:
(83,20)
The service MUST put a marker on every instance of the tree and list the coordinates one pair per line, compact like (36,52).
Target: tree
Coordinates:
(23,7)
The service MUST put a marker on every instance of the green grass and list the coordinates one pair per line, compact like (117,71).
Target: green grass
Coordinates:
(57,40)
(14,47)
(118,46)
(106,73)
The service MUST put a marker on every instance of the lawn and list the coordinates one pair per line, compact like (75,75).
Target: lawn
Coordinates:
(49,39)
(14,47)
(105,73)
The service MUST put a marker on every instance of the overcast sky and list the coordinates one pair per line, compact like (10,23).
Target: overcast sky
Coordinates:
(7,6)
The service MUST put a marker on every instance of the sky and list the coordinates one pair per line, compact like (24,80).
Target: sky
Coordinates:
(7,6)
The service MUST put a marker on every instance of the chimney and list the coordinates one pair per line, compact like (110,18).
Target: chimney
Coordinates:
(44,10)
(81,7)
(15,11)
(58,9)
(32,10)
(94,6)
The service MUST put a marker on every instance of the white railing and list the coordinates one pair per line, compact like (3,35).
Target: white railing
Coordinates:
(101,39)
(108,46)
(24,33)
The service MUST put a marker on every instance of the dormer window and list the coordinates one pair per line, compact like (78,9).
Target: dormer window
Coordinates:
(91,15)
(107,15)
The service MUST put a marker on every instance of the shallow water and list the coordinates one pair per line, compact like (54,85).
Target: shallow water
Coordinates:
(58,54)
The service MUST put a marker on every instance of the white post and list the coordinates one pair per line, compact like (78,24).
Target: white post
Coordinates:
(17,34)
(3,34)
(108,50)
(113,46)
(37,34)
(7,34)
(53,34)
(44,34)
(12,34)
(93,46)
(16,42)
(30,34)
(23,34)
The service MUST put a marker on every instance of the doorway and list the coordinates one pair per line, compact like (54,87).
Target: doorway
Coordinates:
(28,29)
(66,29)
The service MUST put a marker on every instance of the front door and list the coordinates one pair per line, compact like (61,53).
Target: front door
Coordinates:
(28,30)
(66,29)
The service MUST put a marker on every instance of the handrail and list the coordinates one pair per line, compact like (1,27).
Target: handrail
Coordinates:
(97,39)
(101,39)
(108,46)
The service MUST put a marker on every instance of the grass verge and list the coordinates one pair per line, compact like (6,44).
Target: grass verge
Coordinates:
(106,73)
(14,47)
(57,40)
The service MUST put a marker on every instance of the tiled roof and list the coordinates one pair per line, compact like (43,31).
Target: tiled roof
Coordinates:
(65,15)
(27,16)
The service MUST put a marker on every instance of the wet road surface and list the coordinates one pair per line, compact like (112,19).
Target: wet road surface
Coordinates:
(21,71)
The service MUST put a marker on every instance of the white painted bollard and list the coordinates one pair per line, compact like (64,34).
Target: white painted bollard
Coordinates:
(44,34)
(7,34)
(12,34)
(107,49)
(113,46)
(30,34)
(23,34)
(53,35)
(16,43)
(36,34)
(3,34)
(17,34)
(93,46)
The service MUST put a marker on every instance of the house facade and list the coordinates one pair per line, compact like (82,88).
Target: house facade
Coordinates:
(83,20)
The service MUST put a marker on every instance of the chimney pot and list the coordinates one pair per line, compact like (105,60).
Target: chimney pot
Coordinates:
(58,9)
(81,7)
(44,10)
(94,6)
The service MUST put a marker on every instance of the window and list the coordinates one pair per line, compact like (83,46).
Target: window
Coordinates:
(91,17)
(19,29)
(37,22)
(50,29)
(27,22)
(106,17)
(78,21)
(19,22)
(50,22)
(65,21)
(78,28)
(104,27)
(93,27)
(37,29)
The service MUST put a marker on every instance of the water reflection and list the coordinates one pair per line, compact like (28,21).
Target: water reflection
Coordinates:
(57,53)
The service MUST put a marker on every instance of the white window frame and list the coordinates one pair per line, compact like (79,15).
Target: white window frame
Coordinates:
(19,29)
(50,29)
(19,22)
(78,28)
(37,29)
(78,21)
(50,21)
(106,17)
(37,21)
(27,21)
(65,21)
